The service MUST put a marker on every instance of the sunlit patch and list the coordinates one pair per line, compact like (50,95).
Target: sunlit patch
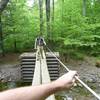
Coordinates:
(30,3)
(92,2)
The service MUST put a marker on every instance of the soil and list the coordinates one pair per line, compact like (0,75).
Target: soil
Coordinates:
(9,59)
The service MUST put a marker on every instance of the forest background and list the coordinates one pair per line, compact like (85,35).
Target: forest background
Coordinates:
(71,27)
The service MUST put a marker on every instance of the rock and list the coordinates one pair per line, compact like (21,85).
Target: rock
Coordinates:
(10,72)
(91,78)
(97,64)
(11,84)
(67,97)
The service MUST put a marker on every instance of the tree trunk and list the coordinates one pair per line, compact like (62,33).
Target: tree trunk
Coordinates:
(62,10)
(53,8)
(15,46)
(48,17)
(1,38)
(3,4)
(41,16)
(52,19)
(84,7)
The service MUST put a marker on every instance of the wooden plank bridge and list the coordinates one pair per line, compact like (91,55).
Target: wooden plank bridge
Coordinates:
(39,70)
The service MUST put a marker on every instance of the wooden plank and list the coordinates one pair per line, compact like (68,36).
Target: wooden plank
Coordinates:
(37,72)
(37,77)
(41,77)
(29,54)
(48,54)
(45,74)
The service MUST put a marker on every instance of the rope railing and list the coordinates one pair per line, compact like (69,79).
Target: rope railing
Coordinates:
(67,69)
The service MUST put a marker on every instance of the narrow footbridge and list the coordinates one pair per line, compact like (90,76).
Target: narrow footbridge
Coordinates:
(40,67)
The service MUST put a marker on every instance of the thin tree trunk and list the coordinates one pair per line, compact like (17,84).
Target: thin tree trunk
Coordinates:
(15,46)
(53,8)
(1,38)
(52,19)
(62,10)
(3,4)
(48,17)
(84,7)
(41,16)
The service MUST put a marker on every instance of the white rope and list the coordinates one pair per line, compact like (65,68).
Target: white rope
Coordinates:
(85,85)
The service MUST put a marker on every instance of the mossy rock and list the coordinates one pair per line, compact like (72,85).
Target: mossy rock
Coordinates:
(97,64)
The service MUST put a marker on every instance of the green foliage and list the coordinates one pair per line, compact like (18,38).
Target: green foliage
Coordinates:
(59,98)
(19,26)
(3,86)
(71,32)
(76,32)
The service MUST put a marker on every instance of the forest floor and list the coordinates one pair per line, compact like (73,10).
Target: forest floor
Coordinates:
(9,59)
(86,68)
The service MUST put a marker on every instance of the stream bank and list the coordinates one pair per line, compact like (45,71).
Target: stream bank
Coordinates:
(88,72)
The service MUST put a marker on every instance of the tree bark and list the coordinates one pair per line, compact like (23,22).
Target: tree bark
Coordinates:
(41,16)
(62,10)
(53,8)
(48,17)
(1,38)
(3,4)
(84,7)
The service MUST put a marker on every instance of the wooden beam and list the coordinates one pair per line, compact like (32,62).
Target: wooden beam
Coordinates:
(41,73)
(45,74)
(37,72)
